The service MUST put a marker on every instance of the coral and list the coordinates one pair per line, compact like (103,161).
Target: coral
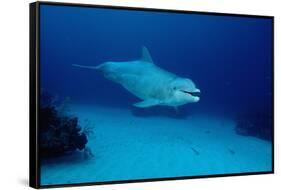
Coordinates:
(59,133)
(88,153)
(88,128)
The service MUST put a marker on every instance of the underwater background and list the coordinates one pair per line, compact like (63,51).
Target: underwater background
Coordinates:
(229,130)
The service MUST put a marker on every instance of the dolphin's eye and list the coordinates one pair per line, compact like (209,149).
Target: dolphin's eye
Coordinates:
(174,88)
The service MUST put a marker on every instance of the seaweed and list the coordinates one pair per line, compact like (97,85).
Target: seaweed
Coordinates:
(59,132)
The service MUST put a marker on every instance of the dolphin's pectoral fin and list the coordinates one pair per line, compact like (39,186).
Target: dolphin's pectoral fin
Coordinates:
(111,77)
(147,103)
(146,55)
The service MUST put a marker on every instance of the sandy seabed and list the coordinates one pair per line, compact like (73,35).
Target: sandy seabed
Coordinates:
(129,147)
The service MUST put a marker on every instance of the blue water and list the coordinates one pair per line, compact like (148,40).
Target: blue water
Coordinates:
(228,58)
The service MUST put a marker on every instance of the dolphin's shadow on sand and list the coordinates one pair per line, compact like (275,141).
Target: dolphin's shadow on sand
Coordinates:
(157,111)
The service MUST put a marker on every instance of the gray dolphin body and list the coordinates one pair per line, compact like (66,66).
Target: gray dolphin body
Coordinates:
(153,85)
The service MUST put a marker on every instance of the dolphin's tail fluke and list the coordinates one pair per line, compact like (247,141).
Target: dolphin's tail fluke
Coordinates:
(86,67)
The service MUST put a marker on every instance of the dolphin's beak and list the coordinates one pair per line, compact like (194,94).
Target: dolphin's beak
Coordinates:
(196,98)
(192,93)
(197,92)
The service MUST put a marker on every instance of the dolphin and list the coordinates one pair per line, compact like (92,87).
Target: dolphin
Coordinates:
(152,84)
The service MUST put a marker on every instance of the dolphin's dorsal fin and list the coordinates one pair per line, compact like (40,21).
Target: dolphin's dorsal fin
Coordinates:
(146,55)
(147,103)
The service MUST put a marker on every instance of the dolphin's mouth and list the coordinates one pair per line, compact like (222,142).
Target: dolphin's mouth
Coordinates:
(197,93)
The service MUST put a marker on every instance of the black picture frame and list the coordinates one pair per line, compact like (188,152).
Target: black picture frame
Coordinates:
(34,92)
